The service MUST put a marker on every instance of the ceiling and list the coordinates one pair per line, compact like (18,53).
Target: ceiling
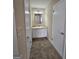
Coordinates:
(39,3)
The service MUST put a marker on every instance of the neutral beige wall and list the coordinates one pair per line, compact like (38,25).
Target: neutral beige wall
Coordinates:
(46,20)
(49,12)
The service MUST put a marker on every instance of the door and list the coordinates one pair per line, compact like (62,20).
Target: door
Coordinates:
(28,27)
(22,28)
(59,26)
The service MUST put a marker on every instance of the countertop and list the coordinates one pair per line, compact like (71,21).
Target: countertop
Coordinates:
(39,27)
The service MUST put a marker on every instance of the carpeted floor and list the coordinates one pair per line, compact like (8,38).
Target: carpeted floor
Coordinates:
(42,49)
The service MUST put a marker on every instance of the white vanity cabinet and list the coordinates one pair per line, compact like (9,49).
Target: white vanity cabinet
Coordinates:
(39,32)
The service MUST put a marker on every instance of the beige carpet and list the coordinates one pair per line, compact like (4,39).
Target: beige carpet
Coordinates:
(42,49)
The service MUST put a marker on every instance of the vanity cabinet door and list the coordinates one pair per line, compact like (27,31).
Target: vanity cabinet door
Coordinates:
(39,32)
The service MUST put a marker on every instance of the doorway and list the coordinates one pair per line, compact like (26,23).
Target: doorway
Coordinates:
(51,27)
(40,28)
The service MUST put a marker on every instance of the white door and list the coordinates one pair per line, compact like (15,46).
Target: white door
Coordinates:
(23,28)
(28,27)
(59,26)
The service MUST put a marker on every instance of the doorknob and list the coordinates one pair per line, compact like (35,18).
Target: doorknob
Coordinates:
(62,33)
(28,37)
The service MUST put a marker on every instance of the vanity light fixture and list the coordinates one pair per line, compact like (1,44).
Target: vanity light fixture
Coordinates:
(38,12)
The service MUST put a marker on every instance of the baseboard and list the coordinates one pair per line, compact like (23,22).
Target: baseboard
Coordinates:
(54,47)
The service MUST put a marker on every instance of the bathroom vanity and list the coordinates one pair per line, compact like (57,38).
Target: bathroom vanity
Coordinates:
(38,32)
(39,28)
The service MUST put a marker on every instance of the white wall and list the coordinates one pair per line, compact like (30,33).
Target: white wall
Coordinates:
(49,18)
(39,3)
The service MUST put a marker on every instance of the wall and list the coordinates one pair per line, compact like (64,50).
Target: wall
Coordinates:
(39,3)
(49,18)
(46,20)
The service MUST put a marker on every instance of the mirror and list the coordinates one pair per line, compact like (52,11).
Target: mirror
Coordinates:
(38,18)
